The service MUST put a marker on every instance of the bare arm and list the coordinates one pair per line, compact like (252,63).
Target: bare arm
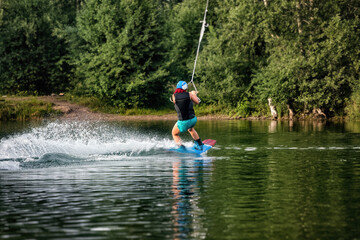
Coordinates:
(194,97)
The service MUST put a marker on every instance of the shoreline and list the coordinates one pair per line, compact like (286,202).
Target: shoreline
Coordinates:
(74,111)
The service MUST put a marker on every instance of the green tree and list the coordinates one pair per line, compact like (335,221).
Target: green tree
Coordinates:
(184,28)
(122,56)
(234,51)
(30,52)
(310,64)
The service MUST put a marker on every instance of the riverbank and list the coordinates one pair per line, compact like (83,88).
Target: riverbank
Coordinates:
(26,108)
(65,108)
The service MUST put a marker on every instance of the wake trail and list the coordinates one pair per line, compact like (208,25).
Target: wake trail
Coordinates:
(78,139)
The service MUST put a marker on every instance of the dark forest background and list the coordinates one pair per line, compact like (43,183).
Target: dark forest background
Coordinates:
(303,54)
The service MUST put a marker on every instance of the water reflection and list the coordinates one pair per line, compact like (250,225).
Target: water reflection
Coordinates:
(188,183)
(270,180)
(272,126)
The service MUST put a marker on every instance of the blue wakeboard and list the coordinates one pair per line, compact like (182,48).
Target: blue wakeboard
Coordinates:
(208,144)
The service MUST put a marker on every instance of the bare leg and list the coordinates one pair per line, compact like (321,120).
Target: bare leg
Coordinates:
(175,134)
(193,133)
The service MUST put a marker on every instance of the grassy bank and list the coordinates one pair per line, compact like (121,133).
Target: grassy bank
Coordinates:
(97,105)
(215,110)
(25,109)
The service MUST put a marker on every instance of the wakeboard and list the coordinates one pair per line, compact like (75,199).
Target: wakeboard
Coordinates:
(208,144)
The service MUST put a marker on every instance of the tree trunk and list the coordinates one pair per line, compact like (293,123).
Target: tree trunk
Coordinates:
(311,2)
(1,10)
(272,109)
(291,112)
(78,5)
(298,18)
(318,113)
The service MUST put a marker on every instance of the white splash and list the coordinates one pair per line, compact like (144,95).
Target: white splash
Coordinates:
(80,139)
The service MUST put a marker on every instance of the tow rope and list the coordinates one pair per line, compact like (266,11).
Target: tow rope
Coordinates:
(202,31)
(204,25)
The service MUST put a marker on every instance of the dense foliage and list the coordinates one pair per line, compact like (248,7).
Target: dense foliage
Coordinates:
(303,54)
(31,55)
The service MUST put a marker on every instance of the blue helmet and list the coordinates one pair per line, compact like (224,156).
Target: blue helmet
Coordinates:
(182,84)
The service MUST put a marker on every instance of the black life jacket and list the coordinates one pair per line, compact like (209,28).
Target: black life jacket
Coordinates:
(184,106)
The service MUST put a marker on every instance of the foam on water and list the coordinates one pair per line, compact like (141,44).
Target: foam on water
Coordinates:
(77,139)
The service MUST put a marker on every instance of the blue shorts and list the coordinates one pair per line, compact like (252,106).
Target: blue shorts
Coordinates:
(186,124)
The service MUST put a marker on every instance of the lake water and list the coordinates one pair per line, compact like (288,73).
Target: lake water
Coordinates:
(116,180)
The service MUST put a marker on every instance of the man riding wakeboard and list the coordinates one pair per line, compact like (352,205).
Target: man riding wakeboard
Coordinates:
(183,102)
